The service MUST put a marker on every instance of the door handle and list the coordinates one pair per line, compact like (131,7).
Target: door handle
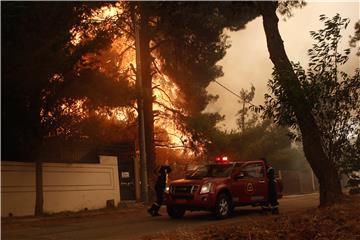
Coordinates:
(261,181)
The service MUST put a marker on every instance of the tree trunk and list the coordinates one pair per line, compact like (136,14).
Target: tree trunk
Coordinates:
(243,117)
(324,168)
(147,94)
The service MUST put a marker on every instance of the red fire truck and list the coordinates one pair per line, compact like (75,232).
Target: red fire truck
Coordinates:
(220,187)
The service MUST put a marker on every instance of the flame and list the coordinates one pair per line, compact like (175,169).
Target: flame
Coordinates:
(107,12)
(75,108)
(165,91)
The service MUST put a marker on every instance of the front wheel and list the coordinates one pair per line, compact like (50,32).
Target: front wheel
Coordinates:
(223,206)
(175,211)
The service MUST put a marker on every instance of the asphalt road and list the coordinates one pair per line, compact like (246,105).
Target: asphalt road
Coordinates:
(134,225)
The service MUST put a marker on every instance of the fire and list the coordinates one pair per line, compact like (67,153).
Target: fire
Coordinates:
(166,92)
(122,54)
(107,12)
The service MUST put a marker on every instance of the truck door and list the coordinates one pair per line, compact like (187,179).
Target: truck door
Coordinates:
(249,184)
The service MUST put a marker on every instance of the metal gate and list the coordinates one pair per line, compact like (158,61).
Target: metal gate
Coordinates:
(127,180)
(125,153)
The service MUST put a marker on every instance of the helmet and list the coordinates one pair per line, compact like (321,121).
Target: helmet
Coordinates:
(165,169)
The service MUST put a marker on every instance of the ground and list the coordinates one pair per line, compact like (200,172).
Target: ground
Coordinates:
(299,219)
(339,222)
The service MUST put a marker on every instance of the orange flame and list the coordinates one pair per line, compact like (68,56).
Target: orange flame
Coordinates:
(165,91)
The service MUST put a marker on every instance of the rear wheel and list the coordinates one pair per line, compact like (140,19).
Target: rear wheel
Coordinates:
(175,211)
(223,207)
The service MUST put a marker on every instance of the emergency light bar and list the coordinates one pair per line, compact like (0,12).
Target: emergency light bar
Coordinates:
(221,159)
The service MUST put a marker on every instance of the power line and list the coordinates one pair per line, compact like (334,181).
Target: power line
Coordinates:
(235,94)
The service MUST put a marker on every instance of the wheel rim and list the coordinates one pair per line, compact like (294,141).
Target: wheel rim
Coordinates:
(223,207)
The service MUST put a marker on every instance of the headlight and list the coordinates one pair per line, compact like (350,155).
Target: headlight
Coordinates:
(167,189)
(205,188)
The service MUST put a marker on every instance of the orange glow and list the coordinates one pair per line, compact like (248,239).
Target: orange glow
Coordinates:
(107,12)
(74,109)
(122,55)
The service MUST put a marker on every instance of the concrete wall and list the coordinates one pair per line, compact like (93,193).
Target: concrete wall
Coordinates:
(67,187)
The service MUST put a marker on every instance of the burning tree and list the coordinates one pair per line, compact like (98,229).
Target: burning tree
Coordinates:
(83,73)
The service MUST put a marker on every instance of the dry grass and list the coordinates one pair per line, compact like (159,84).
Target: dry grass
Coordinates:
(339,222)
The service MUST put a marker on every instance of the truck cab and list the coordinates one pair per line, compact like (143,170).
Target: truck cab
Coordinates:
(220,187)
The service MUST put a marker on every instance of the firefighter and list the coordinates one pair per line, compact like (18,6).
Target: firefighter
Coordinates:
(272,193)
(160,186)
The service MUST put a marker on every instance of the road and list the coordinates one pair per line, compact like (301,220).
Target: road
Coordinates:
(134,225)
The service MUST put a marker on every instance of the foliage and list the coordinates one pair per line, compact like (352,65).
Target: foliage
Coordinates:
(262,140)
(285,7)
(203,129)
(186,41)
(245,120)
(266,140)
(34,51)
(76,56)
(332,94)
(354,184)
(65,81)
(356,38)
(189,43)
(55,94)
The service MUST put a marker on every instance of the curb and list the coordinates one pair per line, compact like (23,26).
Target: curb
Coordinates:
(300,195)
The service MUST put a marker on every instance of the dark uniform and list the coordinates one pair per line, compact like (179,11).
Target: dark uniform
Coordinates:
(160,186)
(272,193)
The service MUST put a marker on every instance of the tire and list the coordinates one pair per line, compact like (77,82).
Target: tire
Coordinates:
(223,207)
(175,212)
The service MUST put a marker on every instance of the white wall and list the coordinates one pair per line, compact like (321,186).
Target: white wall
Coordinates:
(67,187)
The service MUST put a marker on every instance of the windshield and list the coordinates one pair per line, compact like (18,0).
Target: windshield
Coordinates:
(213,170)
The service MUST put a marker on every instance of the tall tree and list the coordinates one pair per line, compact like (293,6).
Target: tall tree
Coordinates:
(199,41)
(187,38)
(332,94)
(35,52)
(324,168)
(145,83)
(32,51)
(245,98)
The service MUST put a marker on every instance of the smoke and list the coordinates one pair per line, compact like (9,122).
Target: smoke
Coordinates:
(247,60)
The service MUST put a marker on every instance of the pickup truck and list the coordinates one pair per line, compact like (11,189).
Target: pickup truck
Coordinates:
(219,188)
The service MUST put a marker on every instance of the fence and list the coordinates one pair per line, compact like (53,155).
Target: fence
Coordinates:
(298,182)
(66,186)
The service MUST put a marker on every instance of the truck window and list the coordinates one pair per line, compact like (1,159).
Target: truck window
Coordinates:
(212,170)
(253,170)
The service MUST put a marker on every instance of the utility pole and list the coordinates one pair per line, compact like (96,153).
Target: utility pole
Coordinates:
(140,103)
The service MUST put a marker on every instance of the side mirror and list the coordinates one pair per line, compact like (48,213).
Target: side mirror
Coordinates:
(240,176)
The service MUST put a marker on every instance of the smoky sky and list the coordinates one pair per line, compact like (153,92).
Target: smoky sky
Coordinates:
(247,60)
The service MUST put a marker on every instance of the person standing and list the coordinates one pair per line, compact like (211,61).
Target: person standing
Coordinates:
(272,193)
(160,186)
